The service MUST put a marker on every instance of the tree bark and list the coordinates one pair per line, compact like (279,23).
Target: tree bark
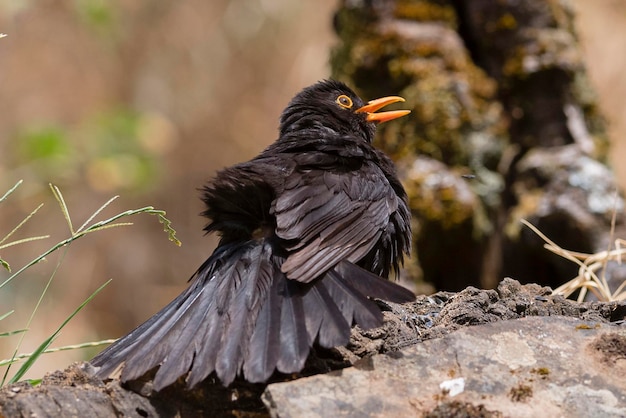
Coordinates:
(499,92)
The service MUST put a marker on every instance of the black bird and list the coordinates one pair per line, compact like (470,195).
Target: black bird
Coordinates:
(306,228)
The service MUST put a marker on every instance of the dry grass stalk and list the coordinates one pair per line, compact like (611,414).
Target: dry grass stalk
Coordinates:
(591,268)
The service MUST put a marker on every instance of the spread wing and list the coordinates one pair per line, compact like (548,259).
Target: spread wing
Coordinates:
(327,216)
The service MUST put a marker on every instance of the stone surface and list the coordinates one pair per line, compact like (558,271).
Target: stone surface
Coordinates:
(537,366)
(431,322)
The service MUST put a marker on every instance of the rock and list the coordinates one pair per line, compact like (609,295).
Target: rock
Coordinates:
(72,393)
(535,366)
(444,323)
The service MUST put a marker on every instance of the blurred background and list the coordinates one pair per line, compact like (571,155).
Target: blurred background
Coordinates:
(146,100)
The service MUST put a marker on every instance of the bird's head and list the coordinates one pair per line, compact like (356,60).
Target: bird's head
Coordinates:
(332,106)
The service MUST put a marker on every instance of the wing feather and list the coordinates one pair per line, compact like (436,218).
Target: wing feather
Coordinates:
(348,225)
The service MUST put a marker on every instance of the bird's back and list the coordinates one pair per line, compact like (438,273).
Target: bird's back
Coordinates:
(300,189)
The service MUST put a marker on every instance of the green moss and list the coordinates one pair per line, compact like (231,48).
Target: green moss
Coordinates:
(521,393)
(438,194)
(455,119)
(506,22)
(422,10)
(544,372)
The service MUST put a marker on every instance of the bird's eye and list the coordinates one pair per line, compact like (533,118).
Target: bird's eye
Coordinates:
(344,101)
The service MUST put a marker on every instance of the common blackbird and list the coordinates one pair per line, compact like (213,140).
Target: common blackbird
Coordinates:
(307,227)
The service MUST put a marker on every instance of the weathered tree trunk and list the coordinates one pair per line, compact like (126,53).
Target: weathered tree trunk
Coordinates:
(503,126)
(499,92)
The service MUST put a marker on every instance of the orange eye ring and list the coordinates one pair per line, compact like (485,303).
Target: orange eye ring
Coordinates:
(344,101)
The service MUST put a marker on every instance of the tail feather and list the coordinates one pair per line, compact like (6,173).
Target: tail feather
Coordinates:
(372,285)
(150,344)
(264,345)
(236,333)
(314,315)
(294,339)
(206,352)
(159,343)
(149,332)
(354,306)
(171,337)
(241,314)
(334,329)
(178,358)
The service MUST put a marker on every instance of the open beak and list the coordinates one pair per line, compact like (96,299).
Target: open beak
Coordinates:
(373,105)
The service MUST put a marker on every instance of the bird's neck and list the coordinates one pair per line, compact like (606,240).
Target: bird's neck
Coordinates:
(321,139)
(305,123)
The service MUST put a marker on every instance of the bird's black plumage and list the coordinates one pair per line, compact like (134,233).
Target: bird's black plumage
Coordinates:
(307,227)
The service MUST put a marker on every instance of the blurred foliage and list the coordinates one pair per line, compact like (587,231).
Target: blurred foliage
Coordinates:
(97,14)
(50,148)
(117,157)
(114,150)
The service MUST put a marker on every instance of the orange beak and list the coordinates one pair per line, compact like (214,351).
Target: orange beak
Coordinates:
(373,105)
